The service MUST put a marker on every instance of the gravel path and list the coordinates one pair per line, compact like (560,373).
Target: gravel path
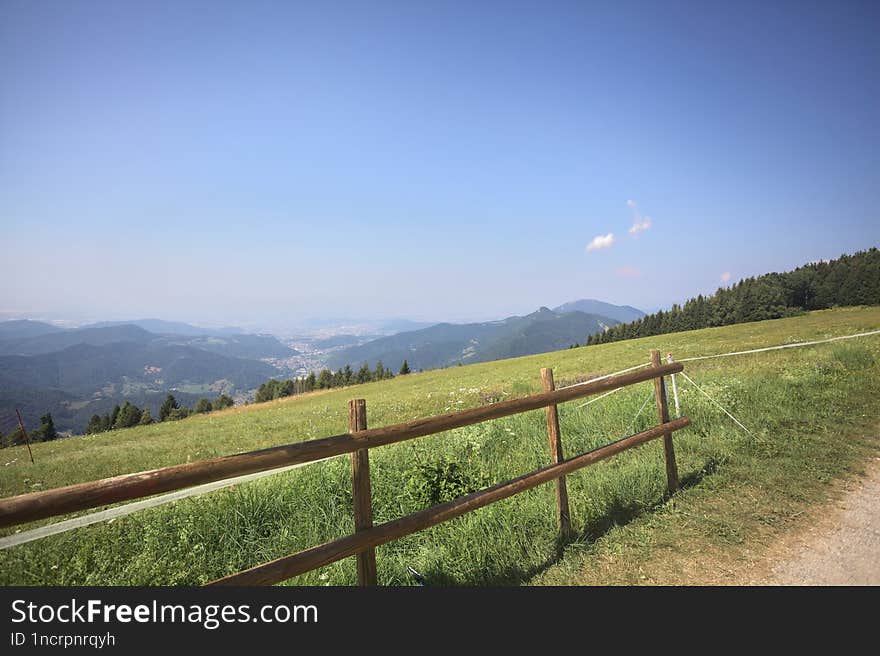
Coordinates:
(841,548)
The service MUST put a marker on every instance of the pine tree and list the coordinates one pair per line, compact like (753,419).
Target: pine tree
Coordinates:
(324,379)
(46,432)
(113,416)
(286,388)
(168,405)
(178,413)
(337,380)
(129,415)
(203,405)
(146,418)
(404,368)
(266,391)
(96,425)
(223,401)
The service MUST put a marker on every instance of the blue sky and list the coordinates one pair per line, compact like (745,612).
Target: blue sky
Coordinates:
(240,162)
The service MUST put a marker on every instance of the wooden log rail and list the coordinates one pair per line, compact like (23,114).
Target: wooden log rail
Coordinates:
(82,496)
(329,552)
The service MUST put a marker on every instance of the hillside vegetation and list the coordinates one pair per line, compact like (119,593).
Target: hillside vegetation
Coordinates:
(812,413)
(447,344)
(849,280)
(74,374)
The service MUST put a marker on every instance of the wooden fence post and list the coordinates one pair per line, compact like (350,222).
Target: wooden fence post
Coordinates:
(663,416)
(361,493)
(24,432)
(555,438)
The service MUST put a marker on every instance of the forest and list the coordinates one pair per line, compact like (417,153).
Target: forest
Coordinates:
(848,280)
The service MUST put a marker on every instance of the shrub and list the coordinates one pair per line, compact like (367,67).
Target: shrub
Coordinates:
(444,480)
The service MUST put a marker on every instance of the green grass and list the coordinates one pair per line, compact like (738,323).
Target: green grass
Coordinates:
(812,412)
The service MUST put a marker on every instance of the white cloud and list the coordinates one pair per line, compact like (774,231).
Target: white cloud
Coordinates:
(601,241)
(725,277)
(640,223)
(640,226)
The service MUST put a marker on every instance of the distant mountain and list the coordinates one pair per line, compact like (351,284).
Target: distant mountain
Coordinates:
(237,346)
(337,341)
(394,326)
(56,341)
(162,327)
(85,376)
(621,313)
(242,346)
(75,373)
(324,327)
(448,344)
(85,369)
(24,328)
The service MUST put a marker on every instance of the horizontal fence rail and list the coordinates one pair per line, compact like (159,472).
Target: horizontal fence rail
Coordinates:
(82,496)
(305,561)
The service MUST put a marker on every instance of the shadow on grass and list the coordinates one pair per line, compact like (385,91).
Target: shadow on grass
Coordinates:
(619,513)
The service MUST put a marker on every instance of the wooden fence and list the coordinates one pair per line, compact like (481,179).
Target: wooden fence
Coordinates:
(357,442)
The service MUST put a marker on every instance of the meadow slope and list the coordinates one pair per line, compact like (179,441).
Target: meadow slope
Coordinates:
(812,413)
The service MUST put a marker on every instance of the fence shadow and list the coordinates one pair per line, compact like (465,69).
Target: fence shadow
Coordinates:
(620,513)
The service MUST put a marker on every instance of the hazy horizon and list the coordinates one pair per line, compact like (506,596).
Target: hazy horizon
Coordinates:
(232,165)
(279,323)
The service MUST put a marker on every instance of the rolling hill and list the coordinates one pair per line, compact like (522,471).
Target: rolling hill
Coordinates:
(256,347)
(232,345)
(84,369)
(76,373)
(448,344)
(163,327)
(85,379)
(57,341)
(812,414)
(24,328)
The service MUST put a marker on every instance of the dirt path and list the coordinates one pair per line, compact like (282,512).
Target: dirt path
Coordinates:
(841,548)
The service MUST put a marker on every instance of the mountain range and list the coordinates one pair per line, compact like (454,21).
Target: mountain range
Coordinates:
(162,327)
(35,338)
(447,344)
(75,373)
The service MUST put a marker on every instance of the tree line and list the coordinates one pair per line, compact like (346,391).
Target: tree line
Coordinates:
(128,414)
(326,379)
(848,280)
(44,433)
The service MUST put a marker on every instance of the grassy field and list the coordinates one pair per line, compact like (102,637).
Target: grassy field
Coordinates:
(812,412)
